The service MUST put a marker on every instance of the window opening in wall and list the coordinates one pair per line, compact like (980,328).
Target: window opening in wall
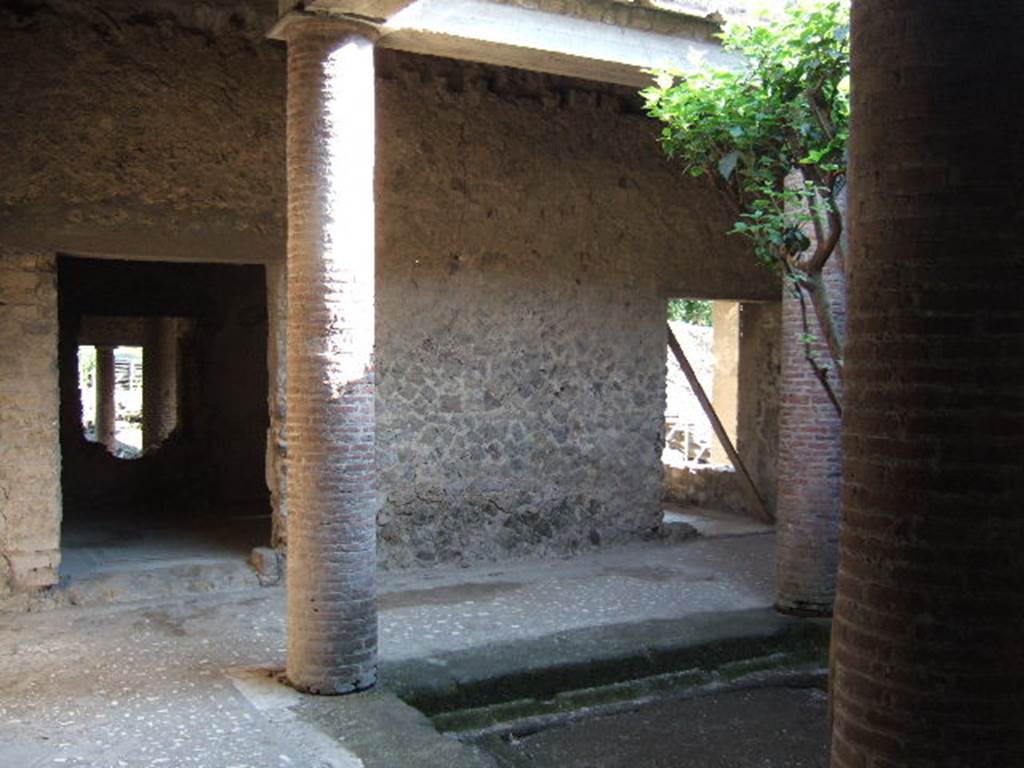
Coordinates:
(112,408)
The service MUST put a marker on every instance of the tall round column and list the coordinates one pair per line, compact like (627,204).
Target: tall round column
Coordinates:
(810,462)
(928,668)
(106,427)
(159,381)
(332,612)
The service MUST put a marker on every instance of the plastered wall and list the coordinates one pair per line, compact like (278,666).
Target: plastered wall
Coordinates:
(147,127)
(30,509)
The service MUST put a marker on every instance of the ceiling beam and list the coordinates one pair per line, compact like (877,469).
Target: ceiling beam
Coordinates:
(542,38)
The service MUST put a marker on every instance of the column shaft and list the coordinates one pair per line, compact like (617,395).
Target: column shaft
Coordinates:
(331,468)
(928,668)
(159,381)
(105,407)
(810,463)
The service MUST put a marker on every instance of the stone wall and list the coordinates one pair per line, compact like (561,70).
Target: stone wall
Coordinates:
(760,362)
(30,508)
(706,486)
(529,230)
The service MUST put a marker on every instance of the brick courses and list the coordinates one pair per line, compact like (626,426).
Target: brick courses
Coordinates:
(810,462)
(928,668)
(332,617)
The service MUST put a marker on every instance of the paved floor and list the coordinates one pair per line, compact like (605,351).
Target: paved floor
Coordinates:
(713,523)
(431,611)
(100,547)
(184,682)
(121,559)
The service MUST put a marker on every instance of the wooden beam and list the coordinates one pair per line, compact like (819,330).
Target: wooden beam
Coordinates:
(746,484)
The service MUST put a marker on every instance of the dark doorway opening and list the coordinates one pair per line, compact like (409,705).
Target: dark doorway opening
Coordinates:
(195,488)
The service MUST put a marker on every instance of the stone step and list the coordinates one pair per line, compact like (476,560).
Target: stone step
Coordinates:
(156,581)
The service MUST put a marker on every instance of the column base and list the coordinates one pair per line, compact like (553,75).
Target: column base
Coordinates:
(364,680)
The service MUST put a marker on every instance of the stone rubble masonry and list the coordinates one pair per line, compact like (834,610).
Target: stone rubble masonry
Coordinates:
(30,509)
(332,613)
(809,463)
(143,156)
(708,486)
(521,311)
(927,661)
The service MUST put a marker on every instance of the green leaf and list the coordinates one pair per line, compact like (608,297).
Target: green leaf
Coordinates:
(753,126)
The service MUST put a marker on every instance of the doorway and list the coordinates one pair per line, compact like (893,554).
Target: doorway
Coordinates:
(733,349)
(163,389)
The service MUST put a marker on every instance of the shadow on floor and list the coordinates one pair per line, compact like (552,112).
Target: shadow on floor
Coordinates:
(128,558)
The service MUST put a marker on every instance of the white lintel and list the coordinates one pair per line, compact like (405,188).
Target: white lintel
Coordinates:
(504,33)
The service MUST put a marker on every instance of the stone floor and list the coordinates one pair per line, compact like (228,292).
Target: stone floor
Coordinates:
(714,523)
(189,681)
(125,544)
(123,559)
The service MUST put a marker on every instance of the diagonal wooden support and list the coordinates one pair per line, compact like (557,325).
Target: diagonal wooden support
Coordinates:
(749,489)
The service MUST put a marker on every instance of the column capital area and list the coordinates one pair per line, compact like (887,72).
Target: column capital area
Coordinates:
(325,25)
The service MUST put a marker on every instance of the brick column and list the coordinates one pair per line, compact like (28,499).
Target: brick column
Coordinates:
(928,668)
(810,464)
(332,613)
(159,381)
(105,408)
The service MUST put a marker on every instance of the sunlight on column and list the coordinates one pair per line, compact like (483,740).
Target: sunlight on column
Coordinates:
(349,212)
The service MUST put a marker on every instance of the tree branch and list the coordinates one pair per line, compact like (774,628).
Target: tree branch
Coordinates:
(823,248)
(815,98)
(820,371)
(816,289)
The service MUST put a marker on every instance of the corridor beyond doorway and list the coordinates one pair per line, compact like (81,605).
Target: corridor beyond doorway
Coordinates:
(192,501)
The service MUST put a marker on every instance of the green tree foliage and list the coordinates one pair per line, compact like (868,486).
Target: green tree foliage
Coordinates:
(694,311)
(770,136)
